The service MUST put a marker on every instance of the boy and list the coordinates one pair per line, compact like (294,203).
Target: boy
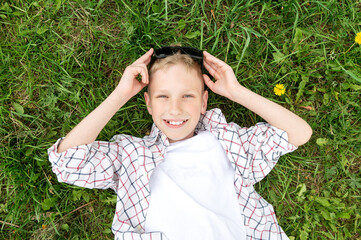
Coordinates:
(199,169)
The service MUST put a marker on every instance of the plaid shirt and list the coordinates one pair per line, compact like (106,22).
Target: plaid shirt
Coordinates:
(126,163)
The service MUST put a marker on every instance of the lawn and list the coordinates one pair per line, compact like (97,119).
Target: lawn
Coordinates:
(60,59)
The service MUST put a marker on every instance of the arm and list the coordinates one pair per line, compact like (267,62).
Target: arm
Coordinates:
(226,84)
(89,128)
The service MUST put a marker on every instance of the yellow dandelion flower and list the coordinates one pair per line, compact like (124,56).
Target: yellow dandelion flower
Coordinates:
(279,89)
(43,226)
(358,38)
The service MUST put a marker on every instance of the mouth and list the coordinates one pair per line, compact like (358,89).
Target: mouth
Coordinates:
(175,123)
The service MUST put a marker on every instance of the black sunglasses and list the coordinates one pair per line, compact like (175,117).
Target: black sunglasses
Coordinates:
(167,51)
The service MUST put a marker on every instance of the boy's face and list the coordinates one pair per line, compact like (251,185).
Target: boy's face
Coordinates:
(176,100)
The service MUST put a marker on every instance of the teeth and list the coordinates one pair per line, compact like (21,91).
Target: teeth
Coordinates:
(175,123)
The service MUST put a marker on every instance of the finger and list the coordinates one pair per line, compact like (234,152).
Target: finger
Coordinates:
(211,63)
(211,67)
(145,77)
(141,70)
(211,70)
(142,85)
(145,58)
(144,74)
(208,81)
(208,67)
(210,59)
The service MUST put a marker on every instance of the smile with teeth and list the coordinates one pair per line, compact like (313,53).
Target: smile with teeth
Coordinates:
(175,123)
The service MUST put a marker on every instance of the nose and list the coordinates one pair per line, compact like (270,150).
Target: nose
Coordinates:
(175,107)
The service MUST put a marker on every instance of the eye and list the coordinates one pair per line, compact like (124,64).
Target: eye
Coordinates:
(188,96)
(162,96)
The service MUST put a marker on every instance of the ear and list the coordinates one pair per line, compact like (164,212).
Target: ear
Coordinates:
(147,101)
(204,102)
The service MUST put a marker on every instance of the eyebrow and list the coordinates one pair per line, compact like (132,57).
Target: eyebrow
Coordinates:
(170,90)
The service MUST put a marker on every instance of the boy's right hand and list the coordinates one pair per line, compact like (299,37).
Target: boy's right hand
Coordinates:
(129,85)
(89,128)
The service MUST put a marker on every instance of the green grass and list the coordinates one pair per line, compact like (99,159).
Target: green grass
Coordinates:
(60,59)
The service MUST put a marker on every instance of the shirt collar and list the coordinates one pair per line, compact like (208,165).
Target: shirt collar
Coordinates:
(158,137)
(211,120)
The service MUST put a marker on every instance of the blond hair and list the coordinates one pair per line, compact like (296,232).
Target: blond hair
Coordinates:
(177,58)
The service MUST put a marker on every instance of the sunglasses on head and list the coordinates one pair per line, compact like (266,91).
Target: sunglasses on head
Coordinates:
(167,51)
(171,50)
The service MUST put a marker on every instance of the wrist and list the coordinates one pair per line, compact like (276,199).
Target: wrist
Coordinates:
(123,91)
(237,92)
(118,97)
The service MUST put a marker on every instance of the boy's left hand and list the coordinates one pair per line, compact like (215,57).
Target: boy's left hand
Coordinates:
(226,81)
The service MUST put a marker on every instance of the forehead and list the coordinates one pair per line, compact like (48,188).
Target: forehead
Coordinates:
(176,76)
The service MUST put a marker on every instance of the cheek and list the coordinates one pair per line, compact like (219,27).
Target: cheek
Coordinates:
(194,107)
(156,108)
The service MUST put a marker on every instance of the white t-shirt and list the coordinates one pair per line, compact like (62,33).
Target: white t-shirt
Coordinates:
(192,193)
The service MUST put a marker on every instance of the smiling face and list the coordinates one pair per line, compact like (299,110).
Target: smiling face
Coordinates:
(176,100)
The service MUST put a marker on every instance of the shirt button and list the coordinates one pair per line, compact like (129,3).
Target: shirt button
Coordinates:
(140,229)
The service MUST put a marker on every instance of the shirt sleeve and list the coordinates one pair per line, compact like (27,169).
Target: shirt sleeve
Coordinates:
(89,165)
(262,145)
